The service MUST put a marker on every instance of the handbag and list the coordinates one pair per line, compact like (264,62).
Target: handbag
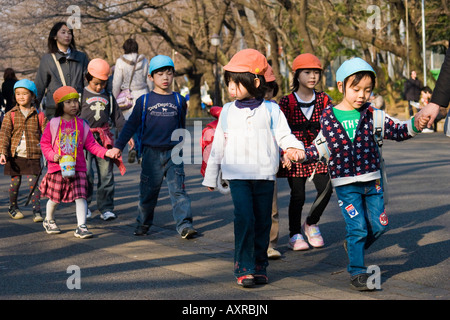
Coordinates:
(125,99)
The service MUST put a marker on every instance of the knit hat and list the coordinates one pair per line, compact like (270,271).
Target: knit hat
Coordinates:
(65,93)
(27,84)
(351,67)
(99,69)
(306,61)
(269,76)
(248,60)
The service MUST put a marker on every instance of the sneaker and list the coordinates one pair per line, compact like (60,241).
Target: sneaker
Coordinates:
(51,227)
(261,279)
(188,233)
(273,253)
(359,282)
(89,213)
(132,156)
(15,213)
(246,281)
(83,232)
(37,217)
(297,243)
(108,215)
(141,230)
(312,232)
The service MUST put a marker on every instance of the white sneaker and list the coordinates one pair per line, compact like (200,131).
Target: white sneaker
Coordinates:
(297,243)
(273,253)
(108,215)
(89,214)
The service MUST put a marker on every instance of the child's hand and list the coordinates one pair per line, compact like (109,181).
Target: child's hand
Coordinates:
(113,153)
(56,158)
(296,155)
(2,159)
(210,188)
(423,122)
(131,143)
(286,162)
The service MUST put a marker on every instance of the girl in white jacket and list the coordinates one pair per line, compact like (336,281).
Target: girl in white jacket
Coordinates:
(246,146)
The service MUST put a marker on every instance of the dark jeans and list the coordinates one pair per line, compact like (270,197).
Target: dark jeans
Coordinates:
(297,200)
(156,165)
(252,201)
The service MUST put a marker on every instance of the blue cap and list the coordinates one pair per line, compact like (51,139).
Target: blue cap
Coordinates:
(27,84)
(352,66)
(158,62)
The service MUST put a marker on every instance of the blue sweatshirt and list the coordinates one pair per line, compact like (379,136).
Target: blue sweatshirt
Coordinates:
(162,118)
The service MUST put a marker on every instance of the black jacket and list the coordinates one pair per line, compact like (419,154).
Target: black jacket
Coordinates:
(441,93)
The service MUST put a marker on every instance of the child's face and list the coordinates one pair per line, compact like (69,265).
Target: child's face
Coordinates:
(309,78)
(358,95)
(162,80)
(269,94)
(23,97)
(97,85)
(237,91)
(71,107)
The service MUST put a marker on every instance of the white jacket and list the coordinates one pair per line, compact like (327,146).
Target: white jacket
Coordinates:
(248,150)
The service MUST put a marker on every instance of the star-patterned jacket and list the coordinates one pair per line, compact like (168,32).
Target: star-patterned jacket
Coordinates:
(358,161)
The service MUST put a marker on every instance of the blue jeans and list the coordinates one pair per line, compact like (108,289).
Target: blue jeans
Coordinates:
(105,185)
(252,201)
(157,164)
(362,206)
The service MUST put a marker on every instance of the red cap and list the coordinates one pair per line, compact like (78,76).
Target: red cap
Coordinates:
(306,61)
(99,69)
(65,93)
(248,60)
(269,76)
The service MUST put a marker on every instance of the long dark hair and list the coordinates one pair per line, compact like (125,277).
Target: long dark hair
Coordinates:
(51,41)
(296,83)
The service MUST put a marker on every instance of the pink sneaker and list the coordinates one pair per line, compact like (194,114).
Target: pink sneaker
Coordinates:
(312,232)
(297,243)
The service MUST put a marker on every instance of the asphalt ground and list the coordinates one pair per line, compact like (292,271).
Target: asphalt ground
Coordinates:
(180,275)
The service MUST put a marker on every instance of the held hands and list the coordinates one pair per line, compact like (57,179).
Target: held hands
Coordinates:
(113,153)
(423,122)
(286,163)
(295,155)
(56,158)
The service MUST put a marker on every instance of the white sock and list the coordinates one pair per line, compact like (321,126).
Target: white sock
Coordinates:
(81,209)
(50,212)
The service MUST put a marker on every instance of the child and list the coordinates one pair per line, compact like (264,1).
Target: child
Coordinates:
(245,148)
(19,149)
(160,112)
(303,108)
(97,108)
(64,138)
(354,162)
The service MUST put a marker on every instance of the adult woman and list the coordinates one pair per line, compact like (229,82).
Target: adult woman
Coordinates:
(131,72)
(62,56)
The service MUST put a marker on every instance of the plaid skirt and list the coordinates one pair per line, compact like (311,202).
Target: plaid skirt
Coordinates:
(59,189)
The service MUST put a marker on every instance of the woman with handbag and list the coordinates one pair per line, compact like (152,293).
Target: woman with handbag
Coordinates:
(130,81)
(62,65)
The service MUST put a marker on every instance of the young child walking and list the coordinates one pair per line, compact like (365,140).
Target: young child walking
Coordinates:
(354,162)
(99,108)
(303,108)
(156,116)
(19,147)
(246,148)
(62,144)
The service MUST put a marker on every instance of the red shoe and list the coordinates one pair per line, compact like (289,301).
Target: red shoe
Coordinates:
(246,281)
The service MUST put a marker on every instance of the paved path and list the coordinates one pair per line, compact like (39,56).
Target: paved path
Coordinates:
(413,255)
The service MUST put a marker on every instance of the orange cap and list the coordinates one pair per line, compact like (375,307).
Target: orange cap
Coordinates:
(248,60)
(306,61)
(65,93)
(269,76)
(99,69)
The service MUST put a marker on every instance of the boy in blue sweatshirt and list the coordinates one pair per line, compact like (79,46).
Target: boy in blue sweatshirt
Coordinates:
(161,112)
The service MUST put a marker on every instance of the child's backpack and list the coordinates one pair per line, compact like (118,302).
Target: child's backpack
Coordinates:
(41,117)
(378,133)
(208,137)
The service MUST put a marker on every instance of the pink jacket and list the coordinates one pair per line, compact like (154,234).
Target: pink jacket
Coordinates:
(85,141)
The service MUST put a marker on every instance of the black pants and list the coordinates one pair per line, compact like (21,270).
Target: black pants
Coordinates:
(298,196)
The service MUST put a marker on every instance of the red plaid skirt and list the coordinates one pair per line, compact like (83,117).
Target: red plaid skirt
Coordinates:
(59,189)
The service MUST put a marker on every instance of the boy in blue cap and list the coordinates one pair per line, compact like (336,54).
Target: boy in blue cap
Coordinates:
(156,115)
(355,163)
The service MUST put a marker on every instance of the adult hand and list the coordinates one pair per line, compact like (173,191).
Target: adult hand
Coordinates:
(430,112)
